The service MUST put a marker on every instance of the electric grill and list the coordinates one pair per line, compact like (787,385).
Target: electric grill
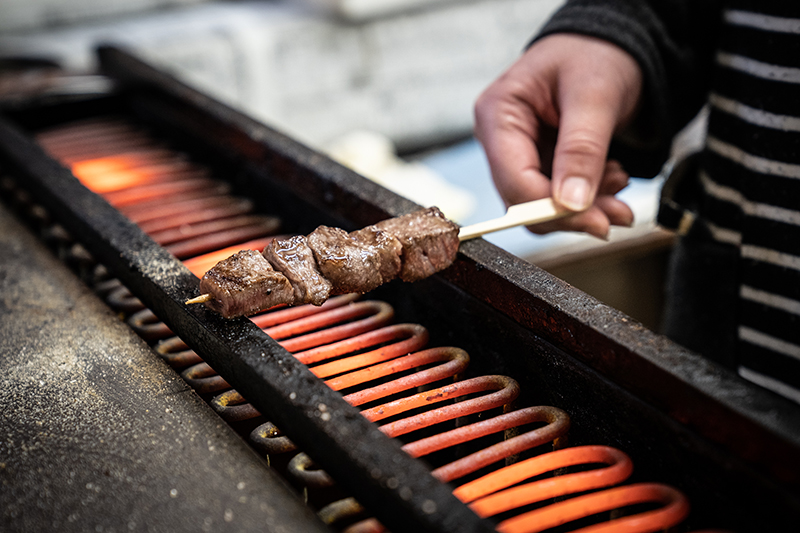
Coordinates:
(473,372)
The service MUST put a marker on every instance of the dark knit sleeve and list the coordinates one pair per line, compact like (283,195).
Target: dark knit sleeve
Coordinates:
(673,41)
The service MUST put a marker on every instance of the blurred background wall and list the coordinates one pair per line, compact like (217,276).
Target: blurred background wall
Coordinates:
(407,69)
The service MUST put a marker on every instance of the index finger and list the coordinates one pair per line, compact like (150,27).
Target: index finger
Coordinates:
(586,126)
(512,153)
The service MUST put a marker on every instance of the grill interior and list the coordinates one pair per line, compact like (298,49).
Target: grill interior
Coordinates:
(521,431)
(353,344)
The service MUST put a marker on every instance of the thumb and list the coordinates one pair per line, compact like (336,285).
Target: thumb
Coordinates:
(586,125)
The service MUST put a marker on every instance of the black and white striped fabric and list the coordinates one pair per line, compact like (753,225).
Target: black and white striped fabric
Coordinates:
(750,182)
(735,275)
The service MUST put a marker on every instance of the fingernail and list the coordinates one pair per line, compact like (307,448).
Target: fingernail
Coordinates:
(575,193)
(625,221)
(604,236)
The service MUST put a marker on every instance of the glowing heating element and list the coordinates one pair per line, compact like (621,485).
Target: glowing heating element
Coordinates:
(415,391)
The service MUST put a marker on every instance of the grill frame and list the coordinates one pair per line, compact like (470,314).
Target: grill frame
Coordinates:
(699,409)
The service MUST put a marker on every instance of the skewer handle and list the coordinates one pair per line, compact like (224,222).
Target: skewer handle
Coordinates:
(203,298)
(527,214)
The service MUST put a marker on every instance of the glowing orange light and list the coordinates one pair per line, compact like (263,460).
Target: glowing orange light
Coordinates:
(202,263)
(106,174)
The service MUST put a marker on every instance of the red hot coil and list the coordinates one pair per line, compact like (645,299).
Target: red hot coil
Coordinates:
(350,344)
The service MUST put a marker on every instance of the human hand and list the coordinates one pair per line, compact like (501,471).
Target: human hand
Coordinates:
(553,112)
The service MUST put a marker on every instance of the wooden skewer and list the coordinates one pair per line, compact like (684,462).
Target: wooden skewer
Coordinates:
(203,298)
(526,214)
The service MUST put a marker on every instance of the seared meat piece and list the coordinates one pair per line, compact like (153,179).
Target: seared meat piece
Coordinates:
(330,261)
(294,259)
(387,250)
(245,283)
(355,262)
(430,242)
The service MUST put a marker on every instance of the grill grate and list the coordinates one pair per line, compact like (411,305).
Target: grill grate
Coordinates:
(352,345)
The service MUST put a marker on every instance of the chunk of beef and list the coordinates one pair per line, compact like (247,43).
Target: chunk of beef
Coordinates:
(245,283)
(294,259)
(355,262)
(430,242)
(385,247)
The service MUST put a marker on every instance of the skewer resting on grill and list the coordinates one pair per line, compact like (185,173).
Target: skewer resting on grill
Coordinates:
(330,261)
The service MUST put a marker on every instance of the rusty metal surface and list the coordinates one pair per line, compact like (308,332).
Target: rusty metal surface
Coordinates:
(98,434)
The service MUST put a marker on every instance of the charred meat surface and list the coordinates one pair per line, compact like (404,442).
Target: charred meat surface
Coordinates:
(245,283)
(355,262)
(430,242)
(294,259)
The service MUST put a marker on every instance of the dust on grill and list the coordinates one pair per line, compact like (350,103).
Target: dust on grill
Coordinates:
(511,464)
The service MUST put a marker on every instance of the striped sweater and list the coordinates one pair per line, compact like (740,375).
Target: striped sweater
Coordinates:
(742,60)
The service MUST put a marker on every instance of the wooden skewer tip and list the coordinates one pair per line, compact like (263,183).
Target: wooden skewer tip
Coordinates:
(203,298)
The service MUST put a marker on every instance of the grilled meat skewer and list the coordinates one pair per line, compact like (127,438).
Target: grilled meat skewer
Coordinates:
(330,261)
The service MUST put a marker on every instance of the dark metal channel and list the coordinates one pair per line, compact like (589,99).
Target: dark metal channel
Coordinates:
(756,425)
(361,458)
